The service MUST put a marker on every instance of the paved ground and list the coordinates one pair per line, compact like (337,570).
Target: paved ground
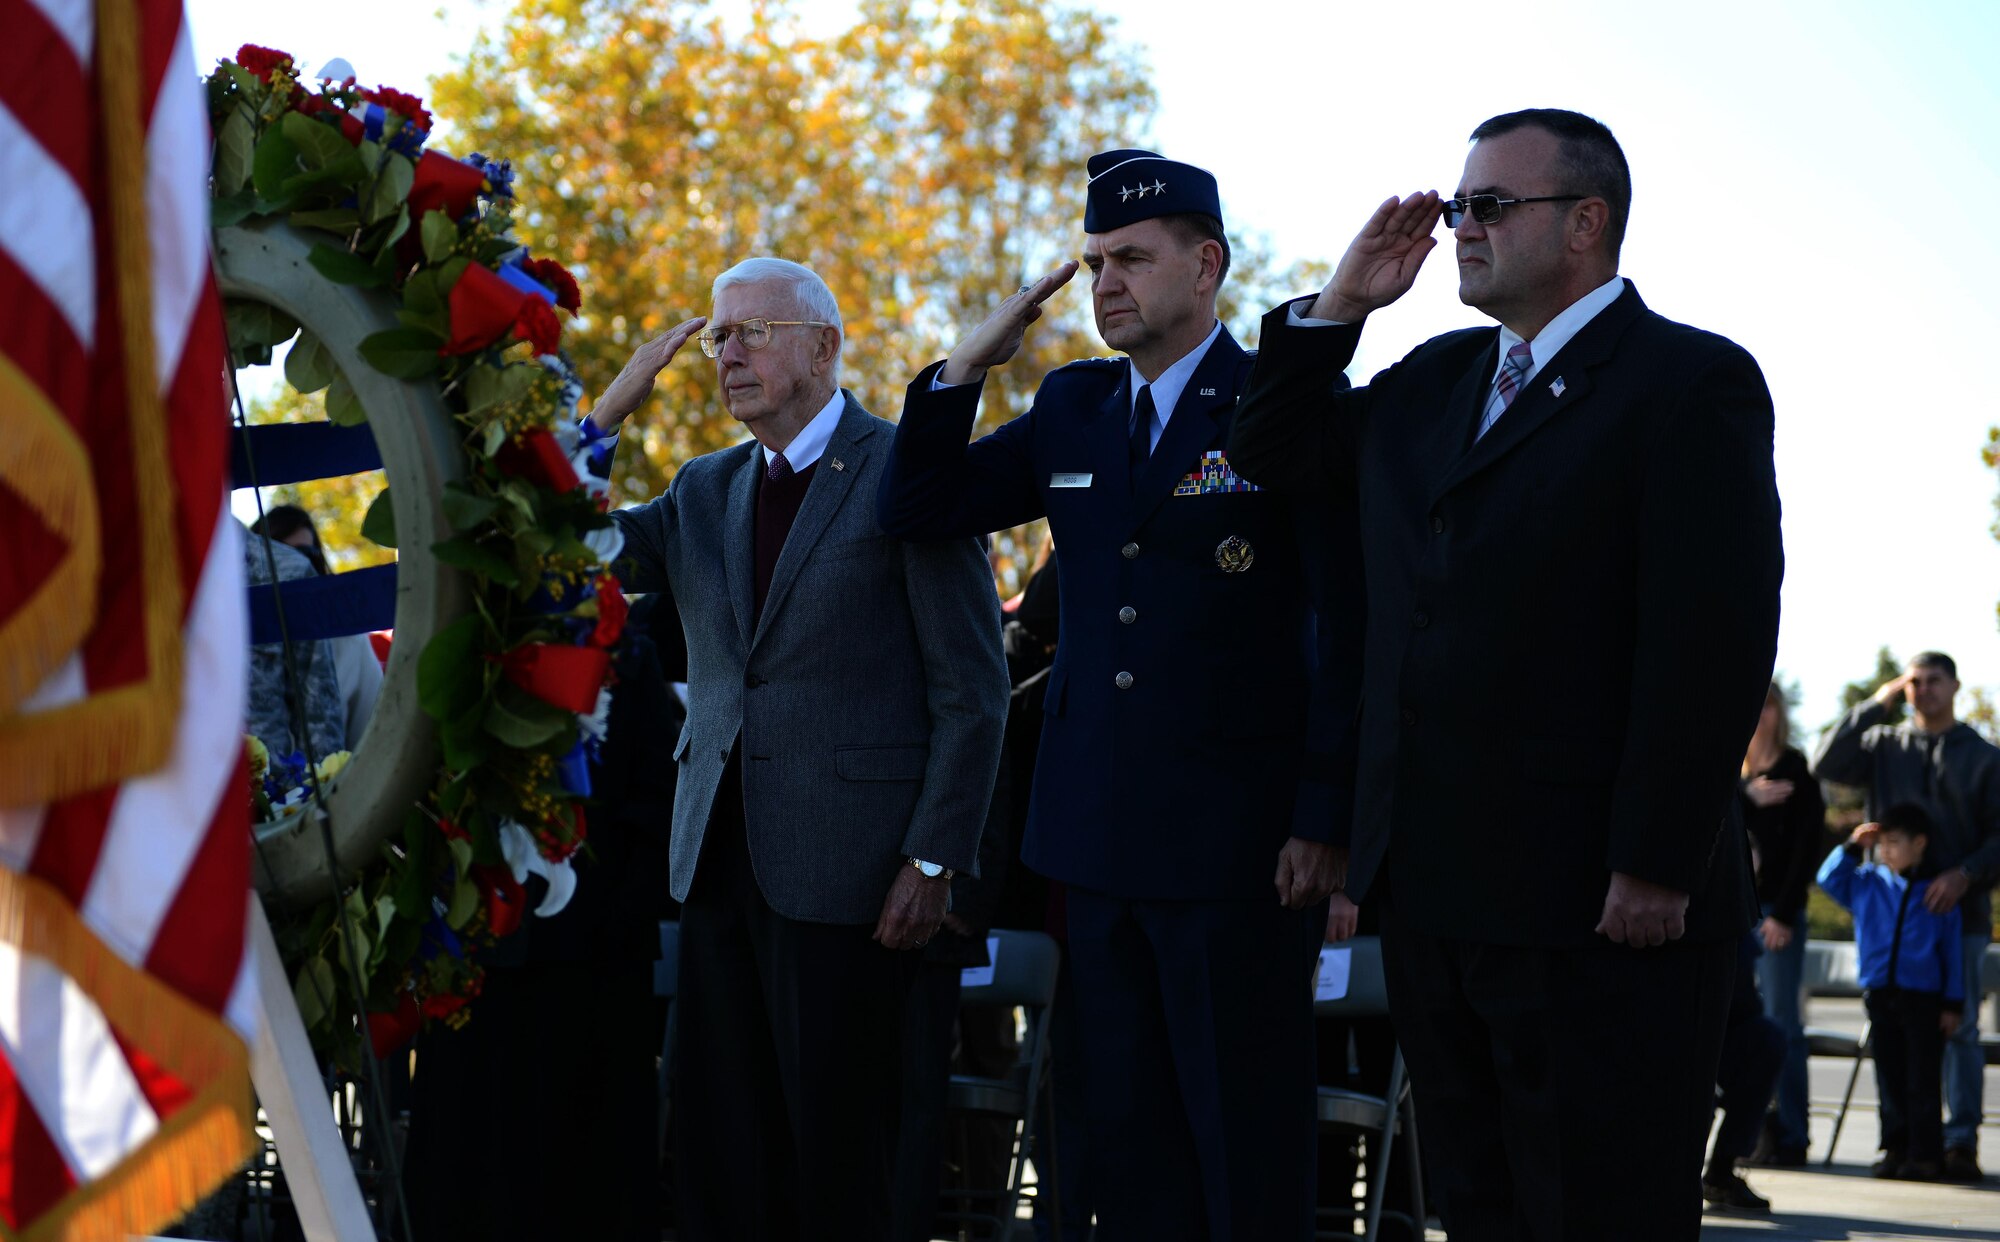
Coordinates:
(1843,1202)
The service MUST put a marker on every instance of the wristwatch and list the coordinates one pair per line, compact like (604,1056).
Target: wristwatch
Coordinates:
(931,870)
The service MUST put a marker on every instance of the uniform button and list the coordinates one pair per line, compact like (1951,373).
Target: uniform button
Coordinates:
(1123,681)
(1128,614)
(1437,525)
(1420,620)
(1130,551)
(1409,715)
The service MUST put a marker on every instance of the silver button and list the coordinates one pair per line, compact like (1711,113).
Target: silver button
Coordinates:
(1128,614)
(1123,681)
(1130,551)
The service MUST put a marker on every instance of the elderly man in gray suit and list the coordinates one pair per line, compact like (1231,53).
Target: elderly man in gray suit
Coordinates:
(846,696)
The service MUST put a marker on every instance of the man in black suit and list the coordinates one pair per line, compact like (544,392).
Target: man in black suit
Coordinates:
(1570,529)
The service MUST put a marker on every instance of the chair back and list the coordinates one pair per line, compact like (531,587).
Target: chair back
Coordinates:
(1832,968)
(1367,988)
(1024,971)
(667,971)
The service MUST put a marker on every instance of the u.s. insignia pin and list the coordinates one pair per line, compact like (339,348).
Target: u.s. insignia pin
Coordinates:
(1234,555)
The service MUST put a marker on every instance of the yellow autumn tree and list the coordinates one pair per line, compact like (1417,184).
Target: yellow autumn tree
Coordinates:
(926,161)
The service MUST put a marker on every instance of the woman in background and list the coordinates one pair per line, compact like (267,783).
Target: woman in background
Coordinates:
(1786,819)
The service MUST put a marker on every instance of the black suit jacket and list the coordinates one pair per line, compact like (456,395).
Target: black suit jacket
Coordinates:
(1571,623)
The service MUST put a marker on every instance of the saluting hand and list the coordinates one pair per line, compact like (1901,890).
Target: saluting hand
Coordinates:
(999,338)
(1381,262)
(635,383)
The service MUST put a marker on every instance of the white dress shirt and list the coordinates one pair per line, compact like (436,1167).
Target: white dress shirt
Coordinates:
(806,447)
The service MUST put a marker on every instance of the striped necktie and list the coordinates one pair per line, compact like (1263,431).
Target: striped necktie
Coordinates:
(1506,385)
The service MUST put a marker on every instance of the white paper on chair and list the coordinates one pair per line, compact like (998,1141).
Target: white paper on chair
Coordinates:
(1330,977)
(982,976)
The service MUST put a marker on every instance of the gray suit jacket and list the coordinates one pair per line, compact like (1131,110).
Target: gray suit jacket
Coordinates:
(869,698)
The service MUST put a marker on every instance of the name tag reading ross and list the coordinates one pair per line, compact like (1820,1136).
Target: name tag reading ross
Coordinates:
(1069,480)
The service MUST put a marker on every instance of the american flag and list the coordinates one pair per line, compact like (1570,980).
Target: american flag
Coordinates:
(126,1000)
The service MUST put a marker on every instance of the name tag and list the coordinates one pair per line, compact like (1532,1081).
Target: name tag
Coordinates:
(1069,480)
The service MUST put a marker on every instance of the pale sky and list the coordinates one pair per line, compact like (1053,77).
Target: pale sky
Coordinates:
(1818,181)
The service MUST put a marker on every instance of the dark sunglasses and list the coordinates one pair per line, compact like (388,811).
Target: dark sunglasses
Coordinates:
(1486,208)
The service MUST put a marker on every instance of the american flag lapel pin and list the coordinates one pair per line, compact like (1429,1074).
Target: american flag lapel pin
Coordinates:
(1557,387)
(836,463)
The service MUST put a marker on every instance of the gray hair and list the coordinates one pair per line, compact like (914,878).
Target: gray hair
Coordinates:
(809,293)
(810,296)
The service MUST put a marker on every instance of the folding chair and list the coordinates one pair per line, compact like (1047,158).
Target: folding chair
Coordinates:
(666,983)
(1832,968)
(1378,1118)
(1024,974)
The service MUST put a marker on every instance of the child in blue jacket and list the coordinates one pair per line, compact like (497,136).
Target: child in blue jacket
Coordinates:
(1910,978)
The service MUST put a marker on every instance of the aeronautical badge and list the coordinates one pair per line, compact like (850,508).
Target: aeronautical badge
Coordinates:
(1234,555)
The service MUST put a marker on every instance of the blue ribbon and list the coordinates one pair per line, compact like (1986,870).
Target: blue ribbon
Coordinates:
(513,275)
(573,770)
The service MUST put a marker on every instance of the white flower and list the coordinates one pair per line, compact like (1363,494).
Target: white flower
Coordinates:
(606,541)
(524,860)
(596,724)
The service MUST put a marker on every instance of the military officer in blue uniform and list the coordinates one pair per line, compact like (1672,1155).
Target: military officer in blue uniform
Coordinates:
(1175,789)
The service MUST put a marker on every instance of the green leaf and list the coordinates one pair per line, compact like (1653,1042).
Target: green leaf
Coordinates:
(389,188)
(493,437)
(258,323)
(380,523)
(342,406)
(486,387)
(275,160)
(313,991)
(476,559)
(343,268)
(342,220)
(464,900)
(309,367)
(398,226)
(244,79)
(321,147)
(523,726)
(448,678)
(463,509)
(406,353)
(440,236)
(235,149)
(223,212)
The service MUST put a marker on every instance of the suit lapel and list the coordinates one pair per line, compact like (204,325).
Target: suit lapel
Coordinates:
(1104,436)
(1450,438)
(829,487)
(739,540)
(1195,423)
(1560,384)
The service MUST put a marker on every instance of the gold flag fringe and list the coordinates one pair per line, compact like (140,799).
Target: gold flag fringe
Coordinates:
(196,1148)
(43,462)
(128,731)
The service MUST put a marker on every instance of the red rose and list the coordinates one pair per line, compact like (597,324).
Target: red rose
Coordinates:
(611,610)
(263,60)
(390,1031)
(409,107)
(535,456)
(443,1006)
(536,323)
(321,106)
(442,183)
(556,277)
(505,900)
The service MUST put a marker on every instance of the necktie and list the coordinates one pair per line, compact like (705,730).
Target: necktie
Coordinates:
(1139,441)
(1507,384)
(777,469)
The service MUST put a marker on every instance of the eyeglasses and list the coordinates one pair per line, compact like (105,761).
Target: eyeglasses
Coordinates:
(1486,208)
(754,333)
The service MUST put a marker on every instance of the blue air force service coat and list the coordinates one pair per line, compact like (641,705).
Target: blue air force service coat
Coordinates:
(1174,760)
